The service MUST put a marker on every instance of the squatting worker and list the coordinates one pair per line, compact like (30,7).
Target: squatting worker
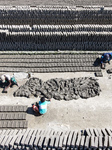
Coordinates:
(8,81)
(41,107)
(106,57)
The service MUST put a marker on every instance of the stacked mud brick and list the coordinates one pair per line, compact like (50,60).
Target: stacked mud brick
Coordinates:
(52,28)
(49,63)
(13,116)
(30,139)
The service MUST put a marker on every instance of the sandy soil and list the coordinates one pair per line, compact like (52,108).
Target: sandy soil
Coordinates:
(63,115)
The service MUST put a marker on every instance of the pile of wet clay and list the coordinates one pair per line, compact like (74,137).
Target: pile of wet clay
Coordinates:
(60,89)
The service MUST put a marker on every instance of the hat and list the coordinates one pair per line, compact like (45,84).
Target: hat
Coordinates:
(107,56)
(3,78)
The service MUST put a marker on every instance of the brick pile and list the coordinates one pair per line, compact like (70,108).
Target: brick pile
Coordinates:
(52,28)
(43,63)
(31,139)
(13,116)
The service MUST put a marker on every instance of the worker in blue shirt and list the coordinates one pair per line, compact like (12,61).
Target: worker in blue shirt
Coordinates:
(106,57)
(41,107)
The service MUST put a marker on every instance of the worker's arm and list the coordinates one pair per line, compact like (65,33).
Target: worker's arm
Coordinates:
(5,89)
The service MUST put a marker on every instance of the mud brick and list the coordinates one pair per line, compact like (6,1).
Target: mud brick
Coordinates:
(33,138)
(19,138)
(104,132)
(11,132)
(13,124)
(46,141)
(92,132)
(69,139)
(15,147)
(73,140)
(42,137)
(8,141)
(2,138)
(56,141)
(110,142)
(21,124)
(109,132)
(61,141)
(4,141)
(25,108)
(4,116)
(92,138)
(3,124)
(96,143)
(20,147)
(7,116)
(96,132)
(98,74)
(37,138)
(51,144)
(23,116)
(82,142)
(106,141)
(87,142)
(78,141)
(25,124)
(88,132)
(65,140)
(9,124)
(24,137)
(1,114)
(17,124)
(100,141)
(28,138)
(15,108)
(3,132)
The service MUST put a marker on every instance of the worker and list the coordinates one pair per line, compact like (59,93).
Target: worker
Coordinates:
(8,82)
(106,57)
(41,107)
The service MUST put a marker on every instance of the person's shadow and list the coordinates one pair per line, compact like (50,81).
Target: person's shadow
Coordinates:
(31,112)
(97,62)
(1,84)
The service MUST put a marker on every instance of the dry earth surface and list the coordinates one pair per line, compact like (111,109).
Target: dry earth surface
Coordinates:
(63,115)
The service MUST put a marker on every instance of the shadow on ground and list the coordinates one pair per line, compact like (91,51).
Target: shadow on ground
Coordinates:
(31,112)
(97,62)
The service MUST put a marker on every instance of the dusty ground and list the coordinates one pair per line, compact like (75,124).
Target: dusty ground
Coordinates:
(74,114)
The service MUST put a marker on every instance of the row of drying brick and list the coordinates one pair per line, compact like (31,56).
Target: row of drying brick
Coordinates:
(50,139)
(56,28)
(40,15)
(12,116)
(14,108)
(13,124)
(51,46)
(44,65)
(49,56)
(54,69)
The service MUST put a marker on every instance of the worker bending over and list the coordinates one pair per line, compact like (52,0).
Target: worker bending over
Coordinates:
(105,58)
(8,82)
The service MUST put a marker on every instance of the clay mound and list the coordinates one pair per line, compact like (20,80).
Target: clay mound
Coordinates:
(60,89)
